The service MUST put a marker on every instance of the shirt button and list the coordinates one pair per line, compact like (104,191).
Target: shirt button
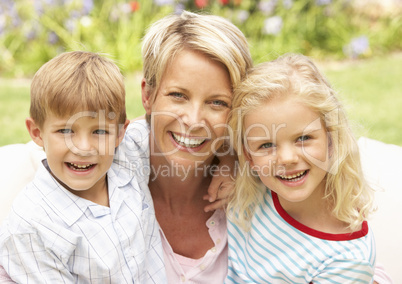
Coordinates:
(182,278)
(213,249)
(202,267)
(218,241)
(212,223)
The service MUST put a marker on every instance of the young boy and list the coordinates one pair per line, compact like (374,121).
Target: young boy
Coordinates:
(83,219)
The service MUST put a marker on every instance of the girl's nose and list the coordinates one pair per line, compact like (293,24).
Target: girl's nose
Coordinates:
(287,154)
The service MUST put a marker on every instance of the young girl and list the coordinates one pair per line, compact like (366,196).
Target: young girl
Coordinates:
(298,212)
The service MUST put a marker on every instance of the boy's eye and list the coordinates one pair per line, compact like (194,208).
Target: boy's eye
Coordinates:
(177,95)
(65,131)
(303,138)
(267,145)
(100,132)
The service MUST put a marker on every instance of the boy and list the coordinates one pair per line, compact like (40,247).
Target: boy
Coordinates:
(83,219)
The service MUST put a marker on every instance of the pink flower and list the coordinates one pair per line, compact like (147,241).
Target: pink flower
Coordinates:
(135,6)
(201,3)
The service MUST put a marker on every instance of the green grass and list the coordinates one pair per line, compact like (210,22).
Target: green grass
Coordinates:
(370,89)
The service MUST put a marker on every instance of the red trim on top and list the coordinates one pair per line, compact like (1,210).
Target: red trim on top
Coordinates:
(318,234)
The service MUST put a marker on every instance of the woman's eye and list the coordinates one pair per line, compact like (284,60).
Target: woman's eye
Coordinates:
(267,145)
(220,103)
(65,131)
(100,132)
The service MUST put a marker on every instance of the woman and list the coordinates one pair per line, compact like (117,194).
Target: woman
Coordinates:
(191,64)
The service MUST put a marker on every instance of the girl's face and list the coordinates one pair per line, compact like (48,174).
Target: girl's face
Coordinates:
(287,145)
(188,115)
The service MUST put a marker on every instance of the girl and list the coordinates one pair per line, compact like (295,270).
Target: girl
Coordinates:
(299,208)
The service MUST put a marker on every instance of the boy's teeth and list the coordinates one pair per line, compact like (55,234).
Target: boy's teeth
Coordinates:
(187,142)
(79,167)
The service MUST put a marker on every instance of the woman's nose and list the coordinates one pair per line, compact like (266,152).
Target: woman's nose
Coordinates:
(194,116)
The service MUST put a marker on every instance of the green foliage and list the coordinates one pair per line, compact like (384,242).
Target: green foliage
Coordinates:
(32,32)
(372,99)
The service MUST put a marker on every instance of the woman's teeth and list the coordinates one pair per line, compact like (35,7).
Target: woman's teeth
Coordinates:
(77,167)
(294,177)
(188,142)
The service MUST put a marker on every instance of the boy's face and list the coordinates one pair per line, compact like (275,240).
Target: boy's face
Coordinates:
(79,149)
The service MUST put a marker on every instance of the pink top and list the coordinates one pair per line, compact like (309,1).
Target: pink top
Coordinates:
(212,268)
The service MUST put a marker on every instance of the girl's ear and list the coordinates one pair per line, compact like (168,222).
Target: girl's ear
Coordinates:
(34,131)
(146,96)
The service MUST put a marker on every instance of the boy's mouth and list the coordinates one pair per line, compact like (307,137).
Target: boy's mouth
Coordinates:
(83,167)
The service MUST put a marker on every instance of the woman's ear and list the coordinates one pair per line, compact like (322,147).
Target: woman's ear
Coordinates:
(34,131)
(146,96)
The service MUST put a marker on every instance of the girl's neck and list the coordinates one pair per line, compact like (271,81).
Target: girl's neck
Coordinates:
(315,213)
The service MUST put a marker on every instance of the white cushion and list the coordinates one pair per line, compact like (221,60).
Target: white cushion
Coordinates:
(382,167)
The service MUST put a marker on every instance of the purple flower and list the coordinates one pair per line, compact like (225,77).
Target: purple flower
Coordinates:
(356,47)
(323,2)
(243,15)
(163,2)
(179,8)
(52,38)
(272,25)
(287,4)
(87,6)
(267,7)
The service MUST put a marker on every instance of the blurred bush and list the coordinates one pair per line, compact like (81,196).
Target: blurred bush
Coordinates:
(33,31)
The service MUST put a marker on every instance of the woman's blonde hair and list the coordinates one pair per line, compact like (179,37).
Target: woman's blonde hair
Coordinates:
(210,35)
(75,81)
(297,76)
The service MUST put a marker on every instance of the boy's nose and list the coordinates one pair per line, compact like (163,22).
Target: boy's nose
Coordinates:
(81,146)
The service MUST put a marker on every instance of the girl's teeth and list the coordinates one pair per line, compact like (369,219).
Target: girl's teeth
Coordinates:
(289,177)
(187,142)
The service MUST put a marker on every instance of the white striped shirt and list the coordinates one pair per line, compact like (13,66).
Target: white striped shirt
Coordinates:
(54,236)
(278,249)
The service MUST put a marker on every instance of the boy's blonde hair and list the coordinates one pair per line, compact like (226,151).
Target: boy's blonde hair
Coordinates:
(297,76)
(210,35)
(76,81)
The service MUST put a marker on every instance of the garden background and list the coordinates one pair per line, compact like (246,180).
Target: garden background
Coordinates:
(357,43)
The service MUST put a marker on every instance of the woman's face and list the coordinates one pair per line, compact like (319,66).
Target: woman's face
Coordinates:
(188,115)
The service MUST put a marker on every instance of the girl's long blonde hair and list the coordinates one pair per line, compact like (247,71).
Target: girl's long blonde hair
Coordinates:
(296,75)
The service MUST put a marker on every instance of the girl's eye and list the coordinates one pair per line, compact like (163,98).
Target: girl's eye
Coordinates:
(303,138)
(100,132)
(267,145)
(65,131)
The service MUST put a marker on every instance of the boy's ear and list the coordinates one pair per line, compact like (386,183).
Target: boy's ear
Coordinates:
(122,131)
(146,96)
(34,131)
